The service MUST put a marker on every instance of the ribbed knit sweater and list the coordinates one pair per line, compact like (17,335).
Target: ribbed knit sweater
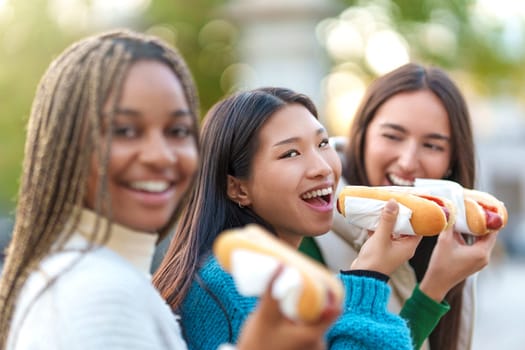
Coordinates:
(100,299)
(213,313)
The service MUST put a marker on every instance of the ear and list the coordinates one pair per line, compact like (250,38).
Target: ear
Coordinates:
(237,191)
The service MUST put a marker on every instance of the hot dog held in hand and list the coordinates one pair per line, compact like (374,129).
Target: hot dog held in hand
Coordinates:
(485,213)
(304,289)
(477,212)
(420,213)
(426,209)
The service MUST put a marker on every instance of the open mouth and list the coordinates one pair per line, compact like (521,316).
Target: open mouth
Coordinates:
(399,181)
(318,197)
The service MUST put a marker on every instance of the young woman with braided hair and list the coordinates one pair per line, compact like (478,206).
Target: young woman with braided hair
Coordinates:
(111,150)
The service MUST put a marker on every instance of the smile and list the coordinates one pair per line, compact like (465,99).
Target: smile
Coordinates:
(317,193)
(150,186)
(399,181)
(319,200)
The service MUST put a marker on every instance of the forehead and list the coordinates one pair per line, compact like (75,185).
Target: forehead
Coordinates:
(291,121)
(146,75)
(418,110)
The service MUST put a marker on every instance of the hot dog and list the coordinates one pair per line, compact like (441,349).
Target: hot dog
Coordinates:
(318,287)
(484,212)
(430,214)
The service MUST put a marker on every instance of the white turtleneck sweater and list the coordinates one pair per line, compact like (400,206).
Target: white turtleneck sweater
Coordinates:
(101,299)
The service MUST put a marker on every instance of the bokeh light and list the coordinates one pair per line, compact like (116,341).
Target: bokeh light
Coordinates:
(385,51)
(234,74)
(345,88)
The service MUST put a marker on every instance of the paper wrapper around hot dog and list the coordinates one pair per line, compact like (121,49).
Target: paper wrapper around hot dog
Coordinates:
(451,191)
(252,273)
(366,212)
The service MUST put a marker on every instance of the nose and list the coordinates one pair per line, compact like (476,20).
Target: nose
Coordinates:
(156,151)
(318,165)
(409,157)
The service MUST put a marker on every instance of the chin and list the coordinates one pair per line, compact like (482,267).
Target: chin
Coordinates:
(151,226)
(320,231)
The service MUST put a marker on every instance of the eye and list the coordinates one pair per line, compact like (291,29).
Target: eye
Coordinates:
(290,154)
(324,143)
(434,147)
(125,131)
(392,137)
(179,131)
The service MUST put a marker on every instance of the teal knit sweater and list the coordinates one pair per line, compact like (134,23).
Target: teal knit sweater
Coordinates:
(214,312)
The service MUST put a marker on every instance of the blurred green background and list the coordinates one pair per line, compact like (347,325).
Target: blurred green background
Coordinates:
(485,44)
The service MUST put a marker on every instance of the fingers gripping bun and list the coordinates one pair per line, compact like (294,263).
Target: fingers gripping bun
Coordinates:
(485,213)
(318,286)
(430,214)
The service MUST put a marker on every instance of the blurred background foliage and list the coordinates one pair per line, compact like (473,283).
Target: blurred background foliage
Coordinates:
(483,38)
(485,45)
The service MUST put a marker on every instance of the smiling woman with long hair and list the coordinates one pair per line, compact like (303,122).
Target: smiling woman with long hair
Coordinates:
(266,159)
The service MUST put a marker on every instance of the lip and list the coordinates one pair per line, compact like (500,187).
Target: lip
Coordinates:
(328,207)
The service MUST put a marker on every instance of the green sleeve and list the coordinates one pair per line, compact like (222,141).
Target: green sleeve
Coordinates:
(310,248)
(422,315)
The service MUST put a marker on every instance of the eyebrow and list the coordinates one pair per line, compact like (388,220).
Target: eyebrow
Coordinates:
(399,128)
(296,139)
(135,113)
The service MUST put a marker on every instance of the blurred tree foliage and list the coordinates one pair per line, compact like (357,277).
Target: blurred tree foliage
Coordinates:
(481,46)
(206,41)
(28,42)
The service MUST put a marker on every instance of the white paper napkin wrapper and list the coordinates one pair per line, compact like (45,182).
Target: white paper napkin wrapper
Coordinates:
(252,273)
(366,212)
(451,191)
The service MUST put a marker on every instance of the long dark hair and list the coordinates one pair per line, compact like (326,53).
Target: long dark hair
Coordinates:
(65,129)
(414,77)
(230,134)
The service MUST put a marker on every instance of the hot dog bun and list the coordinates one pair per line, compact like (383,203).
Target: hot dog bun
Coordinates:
(484,213)
(428,216)
(319,285)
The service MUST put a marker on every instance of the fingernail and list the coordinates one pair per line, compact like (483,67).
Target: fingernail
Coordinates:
(391,206)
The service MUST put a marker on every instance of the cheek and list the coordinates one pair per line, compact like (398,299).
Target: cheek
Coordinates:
(436,166)
(335,164)
(189,159)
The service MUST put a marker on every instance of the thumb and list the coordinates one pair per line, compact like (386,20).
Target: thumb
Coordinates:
(388,219)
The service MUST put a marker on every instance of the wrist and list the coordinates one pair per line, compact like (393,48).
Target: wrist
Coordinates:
(436,293)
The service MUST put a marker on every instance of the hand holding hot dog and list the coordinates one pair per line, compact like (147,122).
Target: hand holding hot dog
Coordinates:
(453,260)
(383,252)
(268,328)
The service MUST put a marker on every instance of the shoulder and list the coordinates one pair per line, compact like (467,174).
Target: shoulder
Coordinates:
(92,297)
(96,277)
(212,283)
(213,289)
(213,311)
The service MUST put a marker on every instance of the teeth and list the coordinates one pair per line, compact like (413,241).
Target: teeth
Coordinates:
(396,180)
(317,193)
(150,186)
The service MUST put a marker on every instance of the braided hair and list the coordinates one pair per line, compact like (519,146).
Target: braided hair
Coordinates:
(64,131)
